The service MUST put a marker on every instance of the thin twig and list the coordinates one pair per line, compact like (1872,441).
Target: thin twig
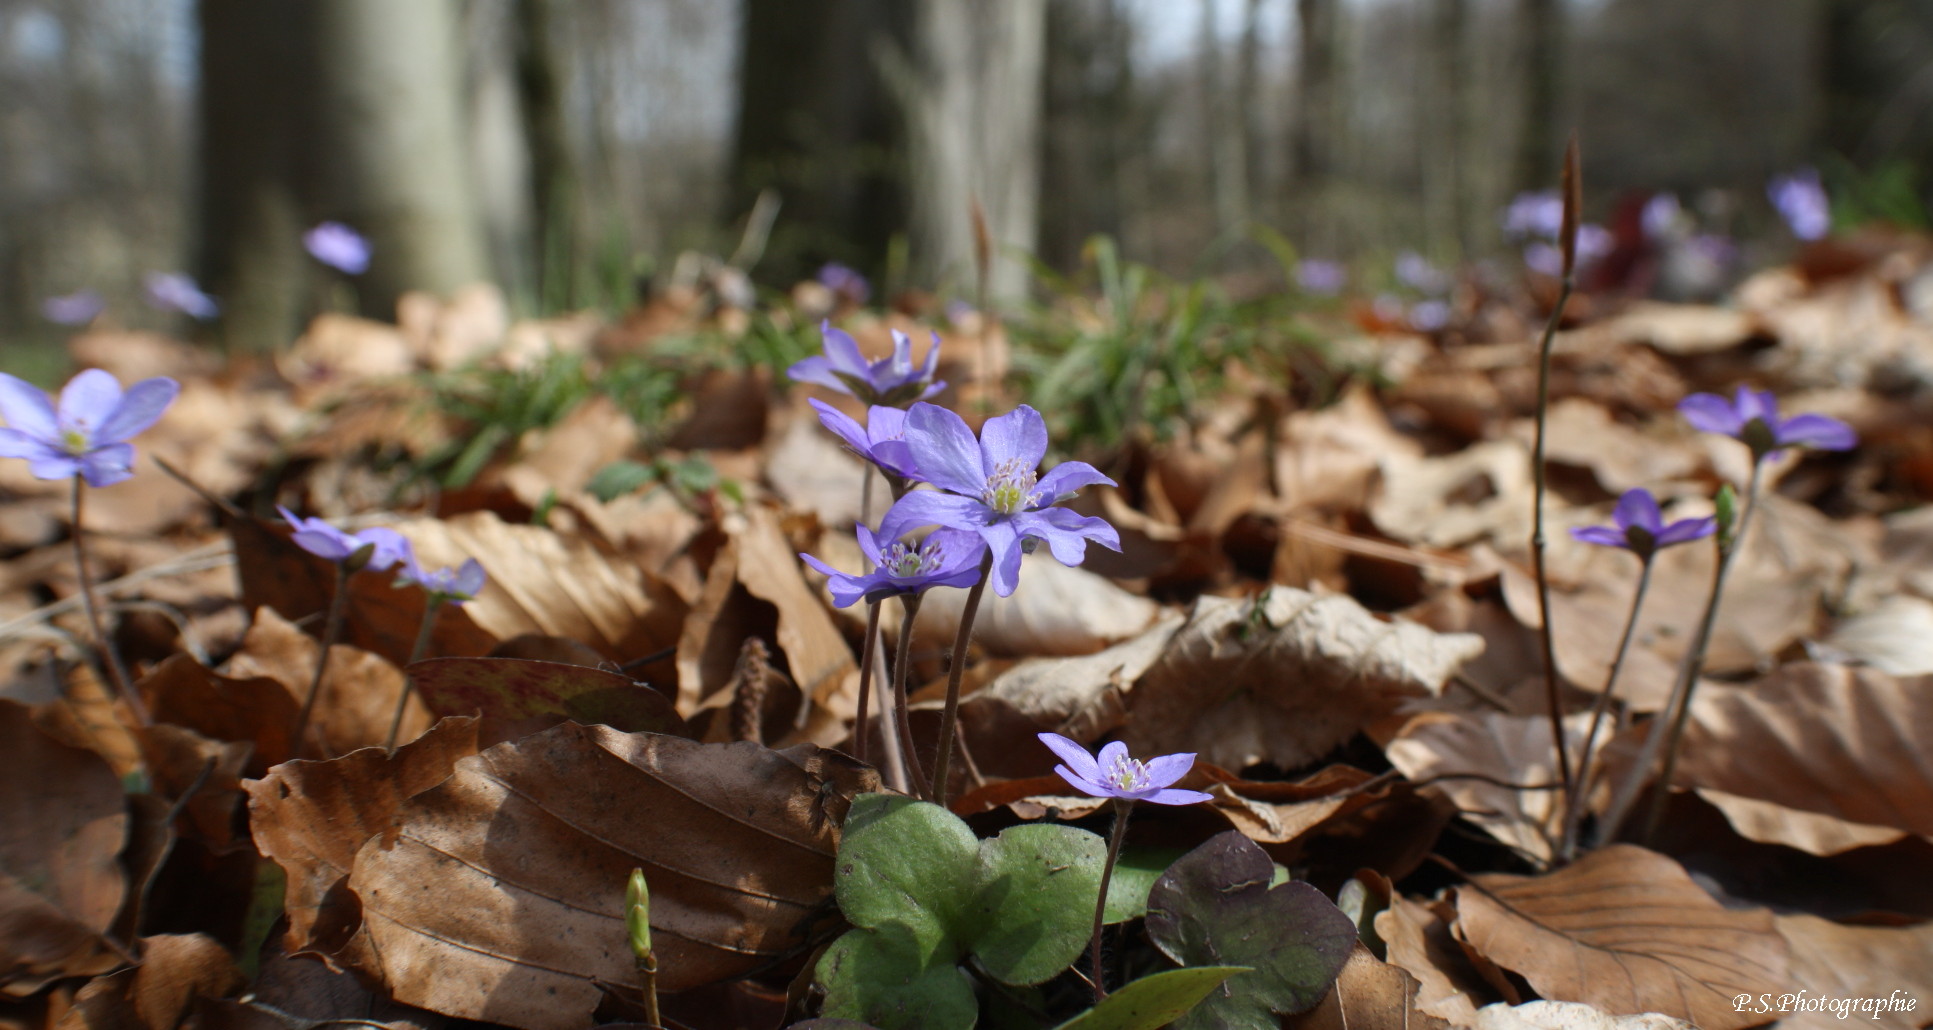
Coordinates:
(956,670)
(119,679)
(902,662)
(860,731)
(1574,806)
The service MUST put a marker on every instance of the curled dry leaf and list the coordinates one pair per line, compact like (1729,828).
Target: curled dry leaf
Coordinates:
(532,695)
(258,710)
(1895,637)
(1418,937)
(62,823)
(1369,995)
(1628,931)
(820,663)
(529,867)
(1284,678)
(1080,697)
(1567,1015)
(1056,610)
(175,970)
(1501,770)
(1830,961)
(359,690)
(1481,493)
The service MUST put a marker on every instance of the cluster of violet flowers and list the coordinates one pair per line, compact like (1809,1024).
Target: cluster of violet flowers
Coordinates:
(1638,526)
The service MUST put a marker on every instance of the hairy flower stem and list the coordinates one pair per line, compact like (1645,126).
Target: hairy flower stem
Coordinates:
(331,629)
(1122,807)
(902,669)
(1574,805)
(949,718)
(860,731)
(1540,477)
(416,653)
(118,676)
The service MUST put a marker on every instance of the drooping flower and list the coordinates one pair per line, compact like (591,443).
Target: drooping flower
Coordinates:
(1319,277)
(946,558)
(1114,775)
(445,585)
(882,440)
(386,547)
(1639,527)
(338,246)
(892,381)
(1753,417)
(1801,200)
(86,434)
(77,308)
(992,486)
(172,291)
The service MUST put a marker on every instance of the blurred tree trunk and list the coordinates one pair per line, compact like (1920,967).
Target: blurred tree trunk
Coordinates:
(1089,115)
(1542,35)
(391,130)
(553,172)
(1225,113)
(1312,142)
(1444,154)
(255,184)
(969,88)
(1252,109)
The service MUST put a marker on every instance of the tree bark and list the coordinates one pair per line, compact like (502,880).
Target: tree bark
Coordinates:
(1090,115)
(1543,43)
(1313,140)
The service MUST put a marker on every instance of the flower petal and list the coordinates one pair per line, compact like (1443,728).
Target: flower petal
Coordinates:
(1112,754)
(1167,769)
(1820,432)
(53,464)
(842,351)
(27,409)
(1005,545)
(1067,477)
(1019,435)
(106,466)
(141,407)
(1685,530)
(87,400)
(1177,796)
(1638,508)
(1072,753)
(1066,532)
(817,371)
(1082,783)
(1603,536)
(16,444)
(869,544)
(1710,413)
(931,508)
(959,549)
(844,426)
(1756,404)
(945,450)
(391,547)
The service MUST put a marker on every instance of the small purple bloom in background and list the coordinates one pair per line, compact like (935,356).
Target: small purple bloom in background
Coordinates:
(1531,215)
(1322,278)
(1801,200)
(172,291)
(1753,418)
(946,558)
(846,282)
(77,308)
(1639,527)
(892,381)
(990,486)
(1428,316)
(1415,271)
(1661,215)
(1721,251)
(86,434)
(1114,775)
(446,585)
(387,547)
(1594,243)
(1544,259)
(882,440)
(338,246)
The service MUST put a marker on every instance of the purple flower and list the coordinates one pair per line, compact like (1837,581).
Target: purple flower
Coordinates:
(87,433)
(1801,200)
(991,486)
(1115,775)
(1661,215)
(1534,214)
(386,546)
(454,586)
(1429,316)
(1594,243)
(892,381)
(172,291)
(338,246)
(1319,277)
(882,440)
(1544,258)
(1754,419)
(1640,527)
(77,308)
(1414,271)
(946,558)
(844,281)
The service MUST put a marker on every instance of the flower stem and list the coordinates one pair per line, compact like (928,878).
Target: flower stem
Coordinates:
(902,666)
(1540,479)
(949,717)
(1574,805)
(860,731)
(416,653)
(121,682)
(331,628)
(1122,807)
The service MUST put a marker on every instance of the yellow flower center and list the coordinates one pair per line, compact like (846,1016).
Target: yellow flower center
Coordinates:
(1010,489)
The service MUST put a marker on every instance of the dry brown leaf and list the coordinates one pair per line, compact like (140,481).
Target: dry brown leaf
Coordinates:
(1283,678)
(1481,493)
(821,664)
(1501,770)
(203,774)
(810,470)
(529,866)
(1369,995)
(1328,458)
(1896,637)
(1885,967)
(312,818)
(62,823)
(1568,1015)
(1055,610)
(1675,329)
(357,696)
(1419,941)
(1845,742)
(175,970)
(1080,697)
(1771,823)
(1582,433)
(259,710)
(1628,931)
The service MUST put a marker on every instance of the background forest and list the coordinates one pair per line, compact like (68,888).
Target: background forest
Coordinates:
(570,151)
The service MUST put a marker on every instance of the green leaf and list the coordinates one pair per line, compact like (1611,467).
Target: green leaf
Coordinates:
(619,478)
(880,977)
(907,863)
(1153,1001)
(1134,874)
(1215,906)
(1033,901)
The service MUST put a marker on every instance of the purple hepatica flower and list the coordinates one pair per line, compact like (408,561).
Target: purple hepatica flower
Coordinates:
(386,546)
(87,433)
(1640,527)
(1115,775)
(846,282)
(1661,215)
(1754,419)
(882,440)
(946,558)
(1319,277)
(1801,200)
(1414,271)
(1429,316)
(77,308)
(338,246)
(991,488)
(172,291)
(890,381)
(454,586)
(1533,215)
(1544,258)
